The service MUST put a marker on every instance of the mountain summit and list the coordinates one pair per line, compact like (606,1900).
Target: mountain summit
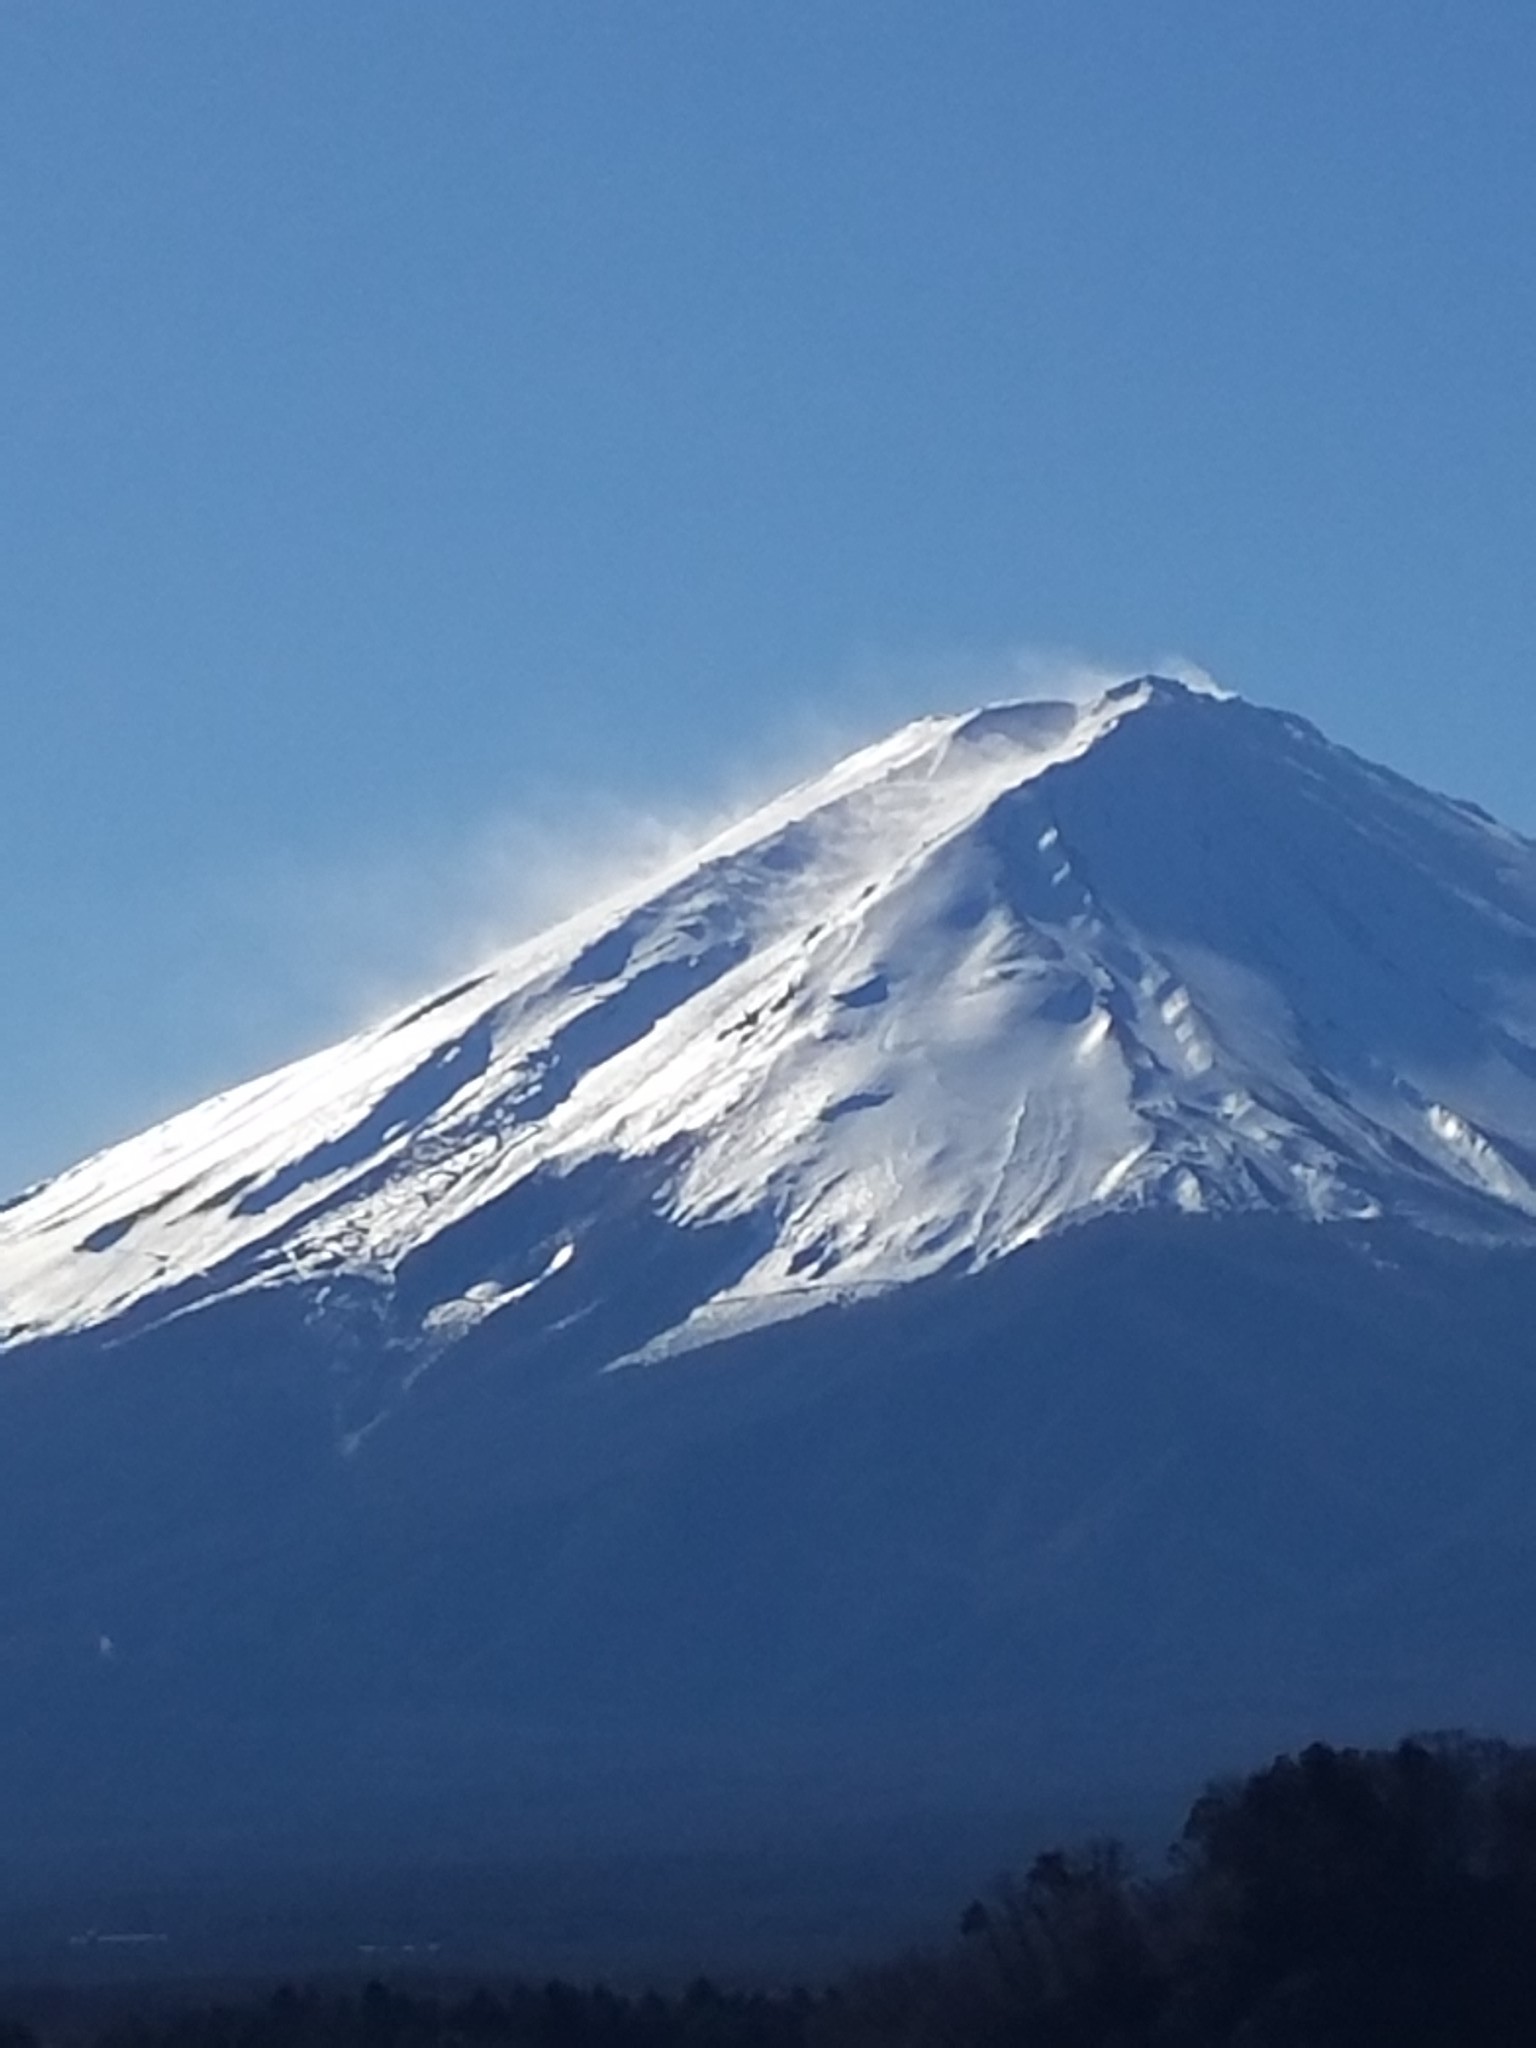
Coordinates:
(1002,972)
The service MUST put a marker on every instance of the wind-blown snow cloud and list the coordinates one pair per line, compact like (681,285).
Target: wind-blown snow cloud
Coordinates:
(297,953)
(349,941)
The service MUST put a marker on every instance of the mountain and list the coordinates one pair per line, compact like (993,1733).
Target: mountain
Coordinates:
(1000,973)
(1008,1275)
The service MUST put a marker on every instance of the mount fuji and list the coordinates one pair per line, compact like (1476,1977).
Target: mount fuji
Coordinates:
(1002,973)
(1011,1268)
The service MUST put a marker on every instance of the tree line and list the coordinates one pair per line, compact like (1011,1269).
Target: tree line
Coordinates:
(1339,1898)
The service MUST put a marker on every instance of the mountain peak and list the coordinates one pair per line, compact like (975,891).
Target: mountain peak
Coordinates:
(1175,689)
(1003,971)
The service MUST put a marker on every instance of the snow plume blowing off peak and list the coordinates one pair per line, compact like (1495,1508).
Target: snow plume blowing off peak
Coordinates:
(1000,972)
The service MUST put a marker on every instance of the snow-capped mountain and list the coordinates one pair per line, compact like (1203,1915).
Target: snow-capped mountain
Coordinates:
(1061,1190)
(1002,972)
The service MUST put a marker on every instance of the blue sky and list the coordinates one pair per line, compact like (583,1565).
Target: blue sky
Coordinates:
(446,443)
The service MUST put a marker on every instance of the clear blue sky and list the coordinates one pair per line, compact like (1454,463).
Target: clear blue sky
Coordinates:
(423,417)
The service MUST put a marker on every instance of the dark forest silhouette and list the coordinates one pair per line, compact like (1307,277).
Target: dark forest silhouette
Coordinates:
(1359,1897)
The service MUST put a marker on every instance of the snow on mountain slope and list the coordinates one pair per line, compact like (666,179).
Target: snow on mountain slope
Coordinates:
(999,973)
